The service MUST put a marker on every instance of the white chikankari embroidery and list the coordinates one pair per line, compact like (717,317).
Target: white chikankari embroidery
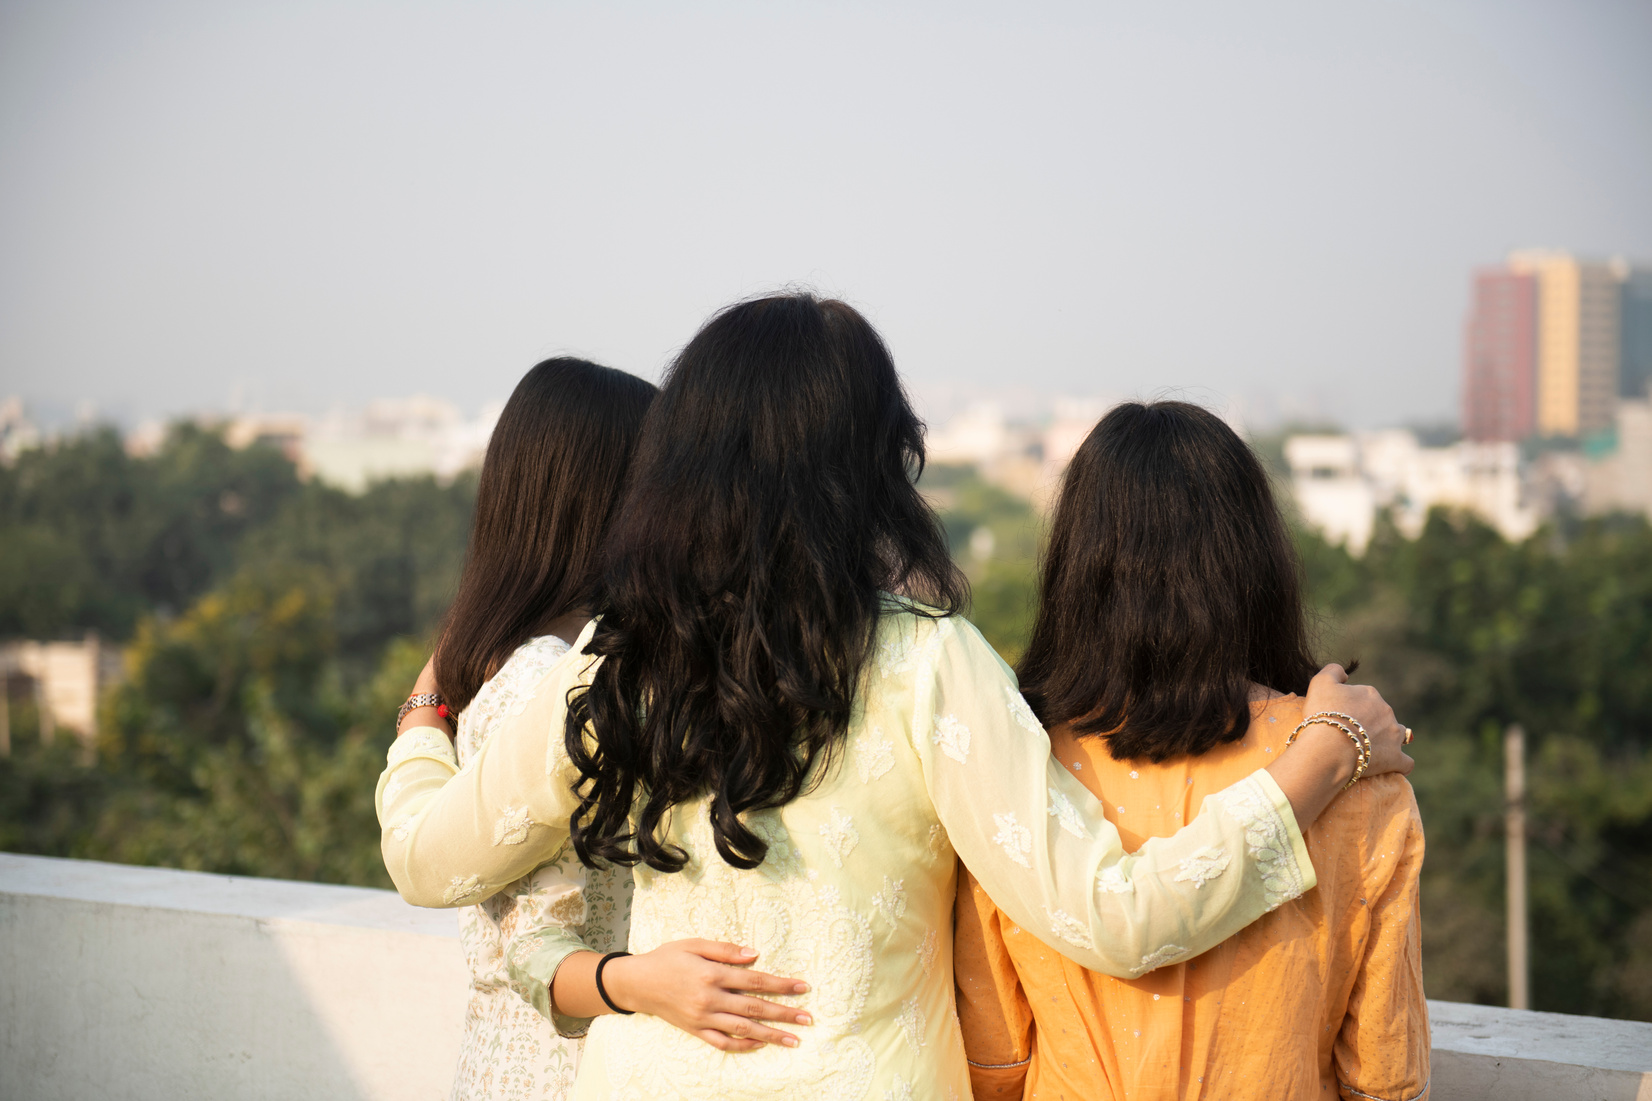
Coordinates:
(937,839)
(895,654)
(392,788)
(1021,712)
(398,828)
(798,924)
(1267,840)
(512,827)
(1069,928)
(513,940)
(1170,953)
(1015,838)
(952,736)
(462,889)
(1201,866)
(927,950)
(890,901)
(901,1090)
(840,836)
(874,755)
(1062,808)
(1112,880)
(419,742)
(911,1023)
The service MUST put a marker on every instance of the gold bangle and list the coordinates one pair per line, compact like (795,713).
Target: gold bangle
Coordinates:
(1362,759)
(1359,728)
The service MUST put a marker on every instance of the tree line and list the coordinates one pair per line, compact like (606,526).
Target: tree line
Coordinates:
(271,626)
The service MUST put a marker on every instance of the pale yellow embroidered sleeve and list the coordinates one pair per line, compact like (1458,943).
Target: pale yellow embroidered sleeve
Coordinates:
(1038,843)
(453,836)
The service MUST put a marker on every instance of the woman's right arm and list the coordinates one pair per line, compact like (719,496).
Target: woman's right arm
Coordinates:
(455,836)
(1040,845)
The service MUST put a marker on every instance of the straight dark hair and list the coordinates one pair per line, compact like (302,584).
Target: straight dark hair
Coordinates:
(550,482)
(771,505)
(1169,585)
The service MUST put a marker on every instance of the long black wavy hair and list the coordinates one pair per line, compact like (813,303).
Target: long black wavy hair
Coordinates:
(551,480)
(771,503)
(1169,585)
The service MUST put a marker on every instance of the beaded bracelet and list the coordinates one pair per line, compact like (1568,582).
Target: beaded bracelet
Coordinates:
(421,699)
(1361,754)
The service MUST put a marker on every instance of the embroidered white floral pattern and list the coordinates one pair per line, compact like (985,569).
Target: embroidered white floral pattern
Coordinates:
(937,840)
(900,1090)
(1069,928)
(927,951)
(911,1023)
(398,828)
(952,736)
(840,836)
(874,756)
(462,889)
(512,827)
(1201,866)
(799,927)
(1170,953)
(890,901)
(418,742)
(1013,837)
(509,1052)
(1022,712)
(1062,809)
(1267,840)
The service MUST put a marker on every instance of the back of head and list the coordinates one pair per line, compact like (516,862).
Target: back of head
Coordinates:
(1169,585)
(550,483)
(771,501)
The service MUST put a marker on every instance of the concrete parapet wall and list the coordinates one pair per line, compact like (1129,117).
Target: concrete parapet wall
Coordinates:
(145,983)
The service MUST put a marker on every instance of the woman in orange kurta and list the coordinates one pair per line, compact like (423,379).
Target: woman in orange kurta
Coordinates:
(1165,660)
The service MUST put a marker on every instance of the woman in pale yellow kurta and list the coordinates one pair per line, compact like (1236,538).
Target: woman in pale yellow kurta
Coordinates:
(941,759)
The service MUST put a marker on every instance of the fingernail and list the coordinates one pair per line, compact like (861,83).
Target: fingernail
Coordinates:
(805,1019)
(748,953)
(789,1041)
(800,988)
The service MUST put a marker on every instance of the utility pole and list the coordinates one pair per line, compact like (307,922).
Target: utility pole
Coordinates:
(1514,849)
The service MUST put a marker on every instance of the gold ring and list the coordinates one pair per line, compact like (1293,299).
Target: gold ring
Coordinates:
(1408,735)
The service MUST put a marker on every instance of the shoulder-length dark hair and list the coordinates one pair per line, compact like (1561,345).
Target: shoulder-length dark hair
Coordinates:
(550,482)
(1169,585)
(771,502)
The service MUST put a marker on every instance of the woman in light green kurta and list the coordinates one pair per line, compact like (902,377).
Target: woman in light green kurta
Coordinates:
(936,757)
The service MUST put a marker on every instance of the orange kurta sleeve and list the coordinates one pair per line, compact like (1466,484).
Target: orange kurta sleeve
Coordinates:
(992,1007)
(1382,1050)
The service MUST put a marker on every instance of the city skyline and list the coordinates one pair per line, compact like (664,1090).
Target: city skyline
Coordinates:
(297,208)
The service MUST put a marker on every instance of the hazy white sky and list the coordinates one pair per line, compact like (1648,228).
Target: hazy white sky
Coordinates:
(302,205)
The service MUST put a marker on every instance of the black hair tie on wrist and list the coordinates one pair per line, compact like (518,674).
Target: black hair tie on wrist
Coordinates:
(602,991)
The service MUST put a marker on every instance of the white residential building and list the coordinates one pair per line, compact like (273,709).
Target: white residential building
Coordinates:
(1341,482)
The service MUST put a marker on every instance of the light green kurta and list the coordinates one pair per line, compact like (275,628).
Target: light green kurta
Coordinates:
(944,758)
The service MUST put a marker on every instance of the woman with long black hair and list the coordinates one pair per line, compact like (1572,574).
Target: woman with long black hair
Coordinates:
(780,721)
(549,486)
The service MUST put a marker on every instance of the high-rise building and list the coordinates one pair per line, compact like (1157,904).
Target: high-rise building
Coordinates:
(1635,354)
(1578,334)
(1500,357)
